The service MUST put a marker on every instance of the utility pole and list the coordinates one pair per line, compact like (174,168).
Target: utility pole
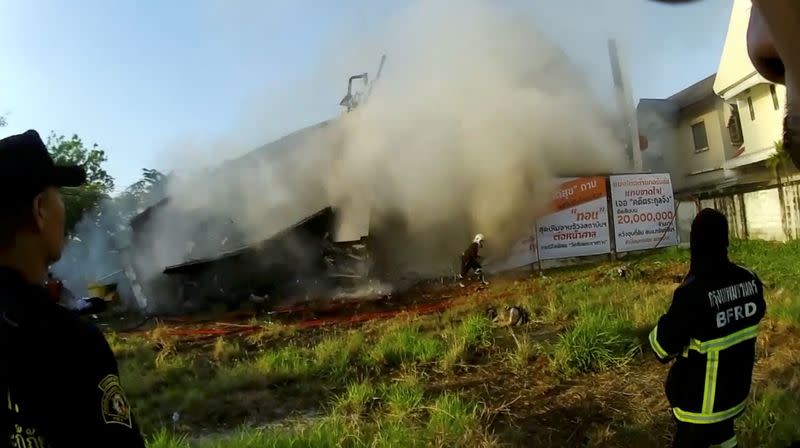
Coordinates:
(622,88)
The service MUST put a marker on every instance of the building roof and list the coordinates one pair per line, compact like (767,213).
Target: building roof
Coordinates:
(317,219)
(279,146)
(694,93)
(736,72)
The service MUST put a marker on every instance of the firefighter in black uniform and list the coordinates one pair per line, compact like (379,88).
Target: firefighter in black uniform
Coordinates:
(710,329)
(58,376)
(471,260)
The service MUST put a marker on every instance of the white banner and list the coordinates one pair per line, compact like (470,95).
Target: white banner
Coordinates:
(523,253)
(579,224)
(644,211)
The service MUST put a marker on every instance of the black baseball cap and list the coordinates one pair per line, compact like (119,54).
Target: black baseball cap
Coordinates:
(26,167)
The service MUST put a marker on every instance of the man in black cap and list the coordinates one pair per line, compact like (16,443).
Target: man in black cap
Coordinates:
(710,329)
(58,375)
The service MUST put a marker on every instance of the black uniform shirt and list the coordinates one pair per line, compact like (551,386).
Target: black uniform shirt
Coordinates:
(58,376)
(711,327)
(471,254)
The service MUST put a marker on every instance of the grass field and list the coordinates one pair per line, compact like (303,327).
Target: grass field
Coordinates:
(579,374)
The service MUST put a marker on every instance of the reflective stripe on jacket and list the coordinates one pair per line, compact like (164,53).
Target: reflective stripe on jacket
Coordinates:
(711,329)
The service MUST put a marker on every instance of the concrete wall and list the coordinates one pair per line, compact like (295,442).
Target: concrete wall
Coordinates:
(771,213)
(698,164)
(762,133)
(763,210)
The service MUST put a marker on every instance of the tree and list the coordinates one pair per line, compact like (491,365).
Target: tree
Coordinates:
(146,191)
(777,162)
(99,184)
(152,184)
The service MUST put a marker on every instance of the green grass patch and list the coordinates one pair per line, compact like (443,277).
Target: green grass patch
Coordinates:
(473,335)
(524,352)
(406,345)
(225,351)
(448,421)
(771,420)
(166,439)
(357,400)
(285,364)
(331,432)
(453,420)
(220,385)
(402,399)
(599,340)
(337,356)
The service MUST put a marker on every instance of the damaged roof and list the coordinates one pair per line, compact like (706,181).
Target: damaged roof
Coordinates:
(314,224)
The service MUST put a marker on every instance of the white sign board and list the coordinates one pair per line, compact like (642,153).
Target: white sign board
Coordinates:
(523,253)
(578,225)
(644,211)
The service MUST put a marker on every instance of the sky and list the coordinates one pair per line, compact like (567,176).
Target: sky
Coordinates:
(165,84)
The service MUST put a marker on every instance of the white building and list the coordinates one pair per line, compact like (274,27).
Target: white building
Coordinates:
(717,139)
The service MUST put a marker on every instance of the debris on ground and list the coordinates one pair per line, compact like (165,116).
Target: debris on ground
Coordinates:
(512,316)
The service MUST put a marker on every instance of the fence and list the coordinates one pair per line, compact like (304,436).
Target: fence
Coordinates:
(771,213)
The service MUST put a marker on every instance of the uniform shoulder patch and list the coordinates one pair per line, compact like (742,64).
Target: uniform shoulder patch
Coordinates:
(114,405)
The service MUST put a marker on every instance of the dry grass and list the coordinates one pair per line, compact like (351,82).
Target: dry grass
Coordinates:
(573,377)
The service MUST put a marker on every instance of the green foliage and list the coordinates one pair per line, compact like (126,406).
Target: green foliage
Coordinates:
(286,364)
(224,350)
(166,439)
(330,432)
(600,340)
(771,420)
(99,184)
(524,352)
(780,157)
(403,398)
(73,151)
(477,332)
(406,344)
(336,356)
(474,334)
(382,405)
(356,400)
(148,190)
(453,419)
(83,201)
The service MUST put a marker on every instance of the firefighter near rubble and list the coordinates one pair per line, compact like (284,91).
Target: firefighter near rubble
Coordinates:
(58,378)
(710,331)
(471,261)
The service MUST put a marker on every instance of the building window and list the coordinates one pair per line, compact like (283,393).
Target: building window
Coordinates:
(774,94)
(700,137)
(752,110)
(735,127)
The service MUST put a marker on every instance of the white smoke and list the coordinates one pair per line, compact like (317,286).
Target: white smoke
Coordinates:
(93,253)
(475,115)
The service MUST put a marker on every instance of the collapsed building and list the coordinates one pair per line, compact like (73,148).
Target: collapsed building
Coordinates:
(306,246)
(274,222)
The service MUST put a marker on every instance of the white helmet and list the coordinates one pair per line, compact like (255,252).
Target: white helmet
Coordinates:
(478,239)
